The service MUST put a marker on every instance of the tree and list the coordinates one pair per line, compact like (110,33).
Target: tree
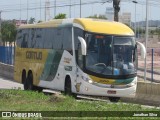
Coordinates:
(60,16)
(98,17)
(8,32)
(31,20)
(40,21)
(157,31)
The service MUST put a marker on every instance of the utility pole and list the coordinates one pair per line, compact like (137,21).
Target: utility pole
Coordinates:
(20,13)
(70,9)
(147,11)
(0,24)
(47,10)
(80,7)
(45,14)
(135,24)
(0,28)
(40,10)
(54,8)
(27,10)
(116,9)
(0,21)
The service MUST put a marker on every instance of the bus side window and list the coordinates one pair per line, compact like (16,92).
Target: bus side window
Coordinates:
(24,43)
(67,39)
(39,38)
(29,38)
(19,38)
(58,39)
(48,43)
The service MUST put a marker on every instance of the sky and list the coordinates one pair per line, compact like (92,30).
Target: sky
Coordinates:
(17,9)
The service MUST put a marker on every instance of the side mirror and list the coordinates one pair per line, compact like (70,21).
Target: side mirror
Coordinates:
(143,50)
(83,45)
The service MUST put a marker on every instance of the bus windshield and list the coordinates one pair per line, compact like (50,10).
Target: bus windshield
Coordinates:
(110,55)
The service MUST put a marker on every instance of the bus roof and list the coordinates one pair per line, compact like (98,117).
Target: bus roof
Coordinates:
(104,26)
(52,23)
(90,25)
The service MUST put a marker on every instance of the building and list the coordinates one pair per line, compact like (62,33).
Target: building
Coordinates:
(125,18)
(110,13)
(20,22)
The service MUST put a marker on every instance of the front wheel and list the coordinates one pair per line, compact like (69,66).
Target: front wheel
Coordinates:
(68,88)
(114,99)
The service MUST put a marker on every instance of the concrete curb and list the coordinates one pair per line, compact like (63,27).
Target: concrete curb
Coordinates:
(147,94)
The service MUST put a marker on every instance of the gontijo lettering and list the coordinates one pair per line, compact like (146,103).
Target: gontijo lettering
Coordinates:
(34,55)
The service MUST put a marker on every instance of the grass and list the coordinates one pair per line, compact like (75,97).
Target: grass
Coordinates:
(17,100)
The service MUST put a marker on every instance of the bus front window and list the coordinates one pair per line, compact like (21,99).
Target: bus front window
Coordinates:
(124,55)
(99,54)
(110,55)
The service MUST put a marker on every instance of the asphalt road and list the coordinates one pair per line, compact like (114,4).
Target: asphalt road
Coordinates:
(9,84)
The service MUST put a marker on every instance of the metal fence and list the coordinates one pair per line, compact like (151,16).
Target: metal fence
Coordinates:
(153,65)
(7,54)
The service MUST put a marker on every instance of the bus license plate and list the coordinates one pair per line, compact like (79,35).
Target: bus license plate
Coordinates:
(111,92)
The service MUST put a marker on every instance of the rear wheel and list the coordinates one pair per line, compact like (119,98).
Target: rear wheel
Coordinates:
(28,83)
(114,99)
(25,84)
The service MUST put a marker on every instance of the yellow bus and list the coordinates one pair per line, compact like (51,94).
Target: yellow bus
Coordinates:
(78,56)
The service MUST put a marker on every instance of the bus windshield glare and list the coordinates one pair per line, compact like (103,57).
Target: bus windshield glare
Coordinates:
(110,55)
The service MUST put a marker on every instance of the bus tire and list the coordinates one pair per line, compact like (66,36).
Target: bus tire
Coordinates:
(114,99)
(67,88)
(29,82)
(23,76)
(25,84)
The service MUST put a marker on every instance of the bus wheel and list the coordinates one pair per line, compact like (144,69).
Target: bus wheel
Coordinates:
(25,84)
(67,89)
(114,99)
(28,84)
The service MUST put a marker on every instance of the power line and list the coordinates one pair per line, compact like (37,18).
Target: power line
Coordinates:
(52,6)
(66,4)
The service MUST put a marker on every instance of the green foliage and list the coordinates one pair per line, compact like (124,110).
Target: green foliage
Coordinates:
(28,100)
(141,31)
(157,31)
(8,31)
(60,16)
(98,17)
(40,21)
(18,100)
(31,20)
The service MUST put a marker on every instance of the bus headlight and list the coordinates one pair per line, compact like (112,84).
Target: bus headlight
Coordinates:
(90,81)
(87,79)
